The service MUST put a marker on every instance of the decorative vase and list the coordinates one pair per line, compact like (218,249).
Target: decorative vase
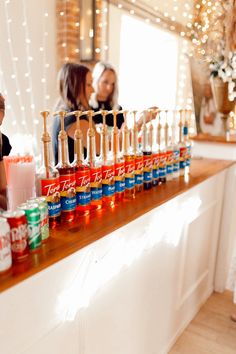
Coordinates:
(222,102)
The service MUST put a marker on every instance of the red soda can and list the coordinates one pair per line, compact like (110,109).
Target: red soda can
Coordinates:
(5,245)
(19,234)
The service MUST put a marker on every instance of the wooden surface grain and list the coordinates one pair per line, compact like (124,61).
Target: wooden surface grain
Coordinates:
(206,138)
(70,237)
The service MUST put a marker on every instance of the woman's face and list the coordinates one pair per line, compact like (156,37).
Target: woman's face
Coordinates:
(88,90)
(106,85)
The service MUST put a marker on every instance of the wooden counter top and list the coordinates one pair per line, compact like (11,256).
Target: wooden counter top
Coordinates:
(206,138)
(71,237)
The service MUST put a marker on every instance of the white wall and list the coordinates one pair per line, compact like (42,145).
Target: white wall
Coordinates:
(27,26)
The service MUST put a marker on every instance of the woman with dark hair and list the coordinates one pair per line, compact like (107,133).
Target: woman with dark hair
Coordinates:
(75,88)
(5,149)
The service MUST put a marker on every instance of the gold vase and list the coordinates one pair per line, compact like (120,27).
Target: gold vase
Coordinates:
(222,102)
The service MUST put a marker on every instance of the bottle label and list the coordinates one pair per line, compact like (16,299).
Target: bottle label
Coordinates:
(169,162)
(176,161)
(83,195)
(138,165)
(138,179)
(182,157)
(129,168)
(147,168)
(129,182)
(50,188)
(119,177)
(96,183)
(129,174)
(188,155)
(162,164)
(155,166)
(185,130)
(83,198)
(108,182)
(155,160)
(68,192)
(138,170)
(155,173)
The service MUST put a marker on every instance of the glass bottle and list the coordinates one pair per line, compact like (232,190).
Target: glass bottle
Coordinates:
(67,175)
(82,171)
(175,148)
(162,152)
(147,156)
(129,161)
(48,182)
(155,153)
(169,151)
(108,168)
(138,157)
(187,142)
(95,167)
(119,161)
(182,147)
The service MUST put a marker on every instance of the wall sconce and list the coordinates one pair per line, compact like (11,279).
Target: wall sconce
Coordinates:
(87,30)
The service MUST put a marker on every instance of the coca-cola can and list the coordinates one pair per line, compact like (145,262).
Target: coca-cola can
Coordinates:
(19,234)
(5,245)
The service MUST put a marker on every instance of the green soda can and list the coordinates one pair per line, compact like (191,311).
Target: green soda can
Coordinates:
(33,220)
(44,221)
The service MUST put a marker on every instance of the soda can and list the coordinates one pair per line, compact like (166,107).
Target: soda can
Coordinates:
(19,234)
(33,219)
(44,220)
(5,245)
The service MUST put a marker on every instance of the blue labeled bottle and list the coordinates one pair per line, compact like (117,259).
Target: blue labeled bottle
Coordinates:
(108,168)
(147,156)
(94,164)
(119,162)
(138,157)
(67,175)
(82,171)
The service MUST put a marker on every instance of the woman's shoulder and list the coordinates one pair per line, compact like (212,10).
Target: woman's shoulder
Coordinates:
(6,146)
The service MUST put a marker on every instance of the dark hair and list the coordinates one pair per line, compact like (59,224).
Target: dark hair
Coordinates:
(71,80)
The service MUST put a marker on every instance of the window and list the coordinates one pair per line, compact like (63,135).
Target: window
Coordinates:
(148,65)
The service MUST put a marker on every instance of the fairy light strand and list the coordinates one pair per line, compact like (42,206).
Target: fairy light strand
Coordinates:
(28,60)
(9,40)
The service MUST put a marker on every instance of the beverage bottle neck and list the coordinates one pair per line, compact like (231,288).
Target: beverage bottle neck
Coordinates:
(63,155)
(104,145)
(91,147)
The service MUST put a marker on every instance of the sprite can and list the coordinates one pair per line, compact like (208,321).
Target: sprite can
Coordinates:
(33,220)
(43,210)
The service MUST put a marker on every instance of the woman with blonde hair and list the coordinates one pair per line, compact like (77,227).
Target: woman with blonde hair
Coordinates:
(105,84)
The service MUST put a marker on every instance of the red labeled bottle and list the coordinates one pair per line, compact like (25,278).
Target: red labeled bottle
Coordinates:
(162,153)
(138,157)
(129,162)
(119,162)
(82,171)
(155,152)
(67,176)
(182,147)
(48,182)
(108,168)
(95,167)
(147,157)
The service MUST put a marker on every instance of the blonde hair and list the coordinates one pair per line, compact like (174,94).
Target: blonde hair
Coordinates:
(98,70)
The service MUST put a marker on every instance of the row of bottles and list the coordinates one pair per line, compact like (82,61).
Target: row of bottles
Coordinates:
(144,162)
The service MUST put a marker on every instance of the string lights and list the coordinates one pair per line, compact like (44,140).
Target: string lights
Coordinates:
(23,79)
